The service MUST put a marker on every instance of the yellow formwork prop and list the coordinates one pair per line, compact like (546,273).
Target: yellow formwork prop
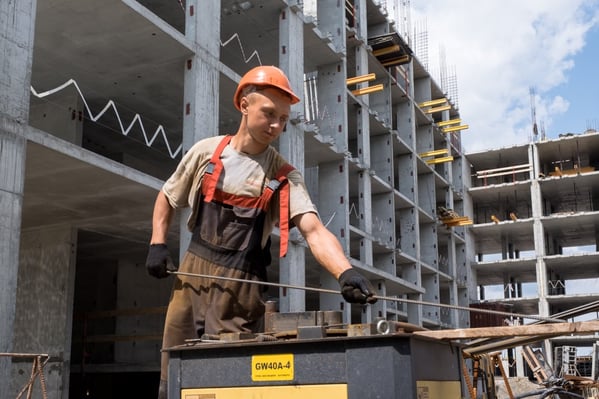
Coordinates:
(449,122)
(454,128)
(360,79)
(404,59)
(386,50)
(432,103)
(439,160)
(437,109)
(367,90)
(433,153)
(458,223)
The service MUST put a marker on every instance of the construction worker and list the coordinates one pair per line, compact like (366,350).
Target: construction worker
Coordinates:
(238,188)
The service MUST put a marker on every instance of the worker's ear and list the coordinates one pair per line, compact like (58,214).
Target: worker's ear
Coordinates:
(244,102)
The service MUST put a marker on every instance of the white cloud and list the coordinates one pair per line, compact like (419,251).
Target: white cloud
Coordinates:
(500,50)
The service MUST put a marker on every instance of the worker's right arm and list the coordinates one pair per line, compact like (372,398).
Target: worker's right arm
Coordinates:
(161,219)
(159,257)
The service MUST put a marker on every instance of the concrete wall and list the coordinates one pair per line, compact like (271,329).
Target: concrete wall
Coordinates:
(61,115)
(16,48)
(44,306)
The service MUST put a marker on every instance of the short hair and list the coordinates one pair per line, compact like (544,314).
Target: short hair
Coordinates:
(249,89)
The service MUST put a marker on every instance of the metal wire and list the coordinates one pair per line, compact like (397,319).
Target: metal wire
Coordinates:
(37,372)
(383,298)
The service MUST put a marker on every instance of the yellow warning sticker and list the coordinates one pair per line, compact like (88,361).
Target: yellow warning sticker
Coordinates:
(272,367)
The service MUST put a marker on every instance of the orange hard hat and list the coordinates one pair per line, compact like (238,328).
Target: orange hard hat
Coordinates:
(264,76)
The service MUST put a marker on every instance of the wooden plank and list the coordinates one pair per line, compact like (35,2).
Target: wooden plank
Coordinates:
(575,171)
(511,331)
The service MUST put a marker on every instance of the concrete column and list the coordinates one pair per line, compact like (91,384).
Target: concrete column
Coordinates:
(333,177)
(17,19)
(333,208)
(291,146)
(361,116)
(452,259)
(44,308)
(12,160)
(332,104)
(539,236)
(410,174)
(331,21)
(201,84)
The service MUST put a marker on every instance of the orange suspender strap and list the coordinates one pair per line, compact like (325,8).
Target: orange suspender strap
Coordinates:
(213,170)
(284,194)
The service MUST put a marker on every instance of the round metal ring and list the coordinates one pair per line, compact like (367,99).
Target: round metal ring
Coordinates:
(382,327)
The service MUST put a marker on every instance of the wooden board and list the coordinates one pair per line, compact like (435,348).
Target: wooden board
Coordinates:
(511,331)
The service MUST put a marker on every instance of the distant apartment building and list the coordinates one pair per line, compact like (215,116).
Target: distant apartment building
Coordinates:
(536,229)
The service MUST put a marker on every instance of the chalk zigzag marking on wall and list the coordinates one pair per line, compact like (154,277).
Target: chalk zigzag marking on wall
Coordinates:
(137,118)
(111,104)
(245,59)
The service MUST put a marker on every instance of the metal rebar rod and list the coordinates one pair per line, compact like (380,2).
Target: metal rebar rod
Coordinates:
(383,298)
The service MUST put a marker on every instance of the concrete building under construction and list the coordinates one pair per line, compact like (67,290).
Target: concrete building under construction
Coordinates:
(99,100)
(535,228)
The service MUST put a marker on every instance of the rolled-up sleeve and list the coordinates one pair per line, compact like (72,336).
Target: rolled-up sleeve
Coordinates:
(299,201)
(181,188)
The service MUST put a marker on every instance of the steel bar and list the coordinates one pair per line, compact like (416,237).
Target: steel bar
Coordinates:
(382,298)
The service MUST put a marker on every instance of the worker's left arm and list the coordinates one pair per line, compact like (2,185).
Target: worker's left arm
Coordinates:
(328,252)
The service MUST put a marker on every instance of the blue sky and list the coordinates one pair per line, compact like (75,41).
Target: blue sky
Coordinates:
(499,50)
(581,89)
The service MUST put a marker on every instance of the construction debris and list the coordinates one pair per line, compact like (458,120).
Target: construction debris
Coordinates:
(451,219)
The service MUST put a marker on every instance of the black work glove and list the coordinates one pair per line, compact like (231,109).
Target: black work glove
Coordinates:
(159,261)
(356,288)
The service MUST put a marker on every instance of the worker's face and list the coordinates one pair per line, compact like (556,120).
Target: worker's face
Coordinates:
(267,113)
